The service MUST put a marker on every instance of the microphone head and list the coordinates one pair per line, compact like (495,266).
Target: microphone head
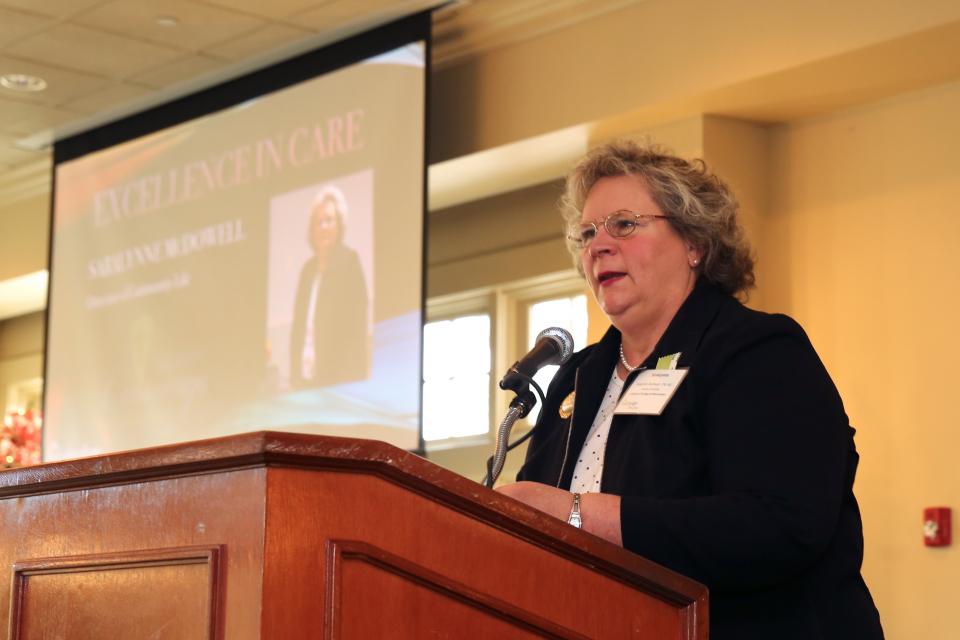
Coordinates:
(560,337)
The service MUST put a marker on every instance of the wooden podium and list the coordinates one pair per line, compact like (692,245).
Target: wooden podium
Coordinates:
(284,536)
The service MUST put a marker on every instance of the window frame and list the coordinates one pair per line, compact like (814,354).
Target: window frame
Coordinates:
(508,306)
(448,308)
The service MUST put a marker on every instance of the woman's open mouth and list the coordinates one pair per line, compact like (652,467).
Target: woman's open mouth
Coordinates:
(606,278)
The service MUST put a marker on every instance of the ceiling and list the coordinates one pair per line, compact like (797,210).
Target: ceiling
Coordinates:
(105,58)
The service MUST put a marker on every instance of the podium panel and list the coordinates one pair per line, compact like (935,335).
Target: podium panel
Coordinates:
(132,595)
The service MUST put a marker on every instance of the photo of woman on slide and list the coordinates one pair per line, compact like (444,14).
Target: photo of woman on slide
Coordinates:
(328,337)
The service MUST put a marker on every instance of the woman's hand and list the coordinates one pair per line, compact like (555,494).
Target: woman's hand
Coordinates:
(600,512)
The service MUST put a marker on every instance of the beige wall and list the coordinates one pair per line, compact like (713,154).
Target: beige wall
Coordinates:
(21,353)
(495,240)
(661,60)
(860,246)
(24,229)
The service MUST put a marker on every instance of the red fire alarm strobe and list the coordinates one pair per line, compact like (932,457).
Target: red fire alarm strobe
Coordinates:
(936,526)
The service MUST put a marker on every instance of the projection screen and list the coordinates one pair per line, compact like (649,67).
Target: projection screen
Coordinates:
(249,257)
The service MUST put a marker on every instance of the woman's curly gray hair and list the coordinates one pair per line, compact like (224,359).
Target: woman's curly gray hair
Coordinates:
(700,206)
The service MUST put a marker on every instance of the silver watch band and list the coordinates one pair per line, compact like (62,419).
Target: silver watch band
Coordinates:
(575,518)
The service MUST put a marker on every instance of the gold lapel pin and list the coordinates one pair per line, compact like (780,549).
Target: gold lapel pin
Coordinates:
(566,407)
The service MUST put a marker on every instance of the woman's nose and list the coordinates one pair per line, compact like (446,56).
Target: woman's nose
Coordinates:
(603,242)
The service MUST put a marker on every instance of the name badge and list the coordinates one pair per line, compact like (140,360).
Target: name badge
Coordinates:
(650,392)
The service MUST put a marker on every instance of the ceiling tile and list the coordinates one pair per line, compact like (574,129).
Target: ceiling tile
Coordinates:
(19,119)
(343,13)
(178,71)
(200,25)
(62,84)
(54,8)
(264,39)
(277,8)
(335,13)
(95,51)
(17,24)
(109,97)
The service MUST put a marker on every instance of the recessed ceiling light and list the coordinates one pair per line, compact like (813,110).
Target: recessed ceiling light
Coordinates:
(167,21)
(22,82)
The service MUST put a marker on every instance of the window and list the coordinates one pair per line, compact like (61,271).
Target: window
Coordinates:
(456,377)
(568,313)
(470,340)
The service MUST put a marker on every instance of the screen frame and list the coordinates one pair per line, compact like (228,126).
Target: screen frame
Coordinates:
(251,85)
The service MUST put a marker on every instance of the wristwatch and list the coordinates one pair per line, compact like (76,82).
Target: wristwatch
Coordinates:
(575,518)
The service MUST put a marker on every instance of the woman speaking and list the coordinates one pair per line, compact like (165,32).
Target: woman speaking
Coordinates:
(699,433)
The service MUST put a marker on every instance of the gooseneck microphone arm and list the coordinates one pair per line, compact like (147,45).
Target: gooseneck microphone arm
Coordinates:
(520,407)
(552,346)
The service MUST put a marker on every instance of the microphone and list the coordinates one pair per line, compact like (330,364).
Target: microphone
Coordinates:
(553,346)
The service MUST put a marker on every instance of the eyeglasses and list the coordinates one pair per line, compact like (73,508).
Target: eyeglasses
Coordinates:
(618,224)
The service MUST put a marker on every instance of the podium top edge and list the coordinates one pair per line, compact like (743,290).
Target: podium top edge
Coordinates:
(260,448)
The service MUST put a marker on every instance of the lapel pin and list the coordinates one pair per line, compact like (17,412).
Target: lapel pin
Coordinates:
(566,407)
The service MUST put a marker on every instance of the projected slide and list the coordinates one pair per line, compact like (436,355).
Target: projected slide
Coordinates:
(256,268)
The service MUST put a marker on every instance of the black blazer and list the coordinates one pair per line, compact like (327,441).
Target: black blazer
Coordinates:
(340,336)
(744,482)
